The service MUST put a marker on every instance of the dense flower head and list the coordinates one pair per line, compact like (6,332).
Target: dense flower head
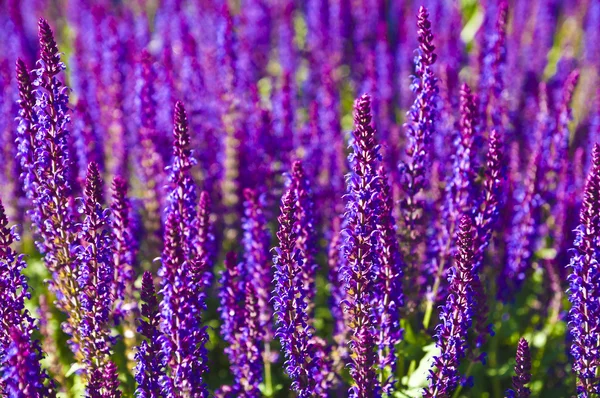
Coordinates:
(388,296)
(305,233)
(420,128)
(95,276)
(183,335)
(455,318)
(290,305)
(522,372)
(363,212)
(20,354)
(584,284)
(256,240)
(124,248)
(149,367)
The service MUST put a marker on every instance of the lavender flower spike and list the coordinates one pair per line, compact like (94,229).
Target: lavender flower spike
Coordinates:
(455,318)
(420,127)
(290,305)
(584,285)
(389,297)
(124,248)
(95,279)
(182,191)
(184,337)
(363,210)
(241,328)
(21,375)
(523,372)
(149,368)
(305,234)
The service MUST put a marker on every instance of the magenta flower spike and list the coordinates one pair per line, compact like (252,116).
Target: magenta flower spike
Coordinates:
(522,372)
(21,374)
(362,217)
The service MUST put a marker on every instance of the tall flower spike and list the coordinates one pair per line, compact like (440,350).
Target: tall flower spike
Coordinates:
(305,233)
(584,285)
(360,252)
(204,242)
(337,297)
(240,328)
(26,129)
(455,318)
(96,278)
(149,368)
(182,195)
(485,220)
(388,297)
(420,127)
(184,337)
(45,160)
(460,196)
(124,248)
(522,371)
(151,163)
(290,305)
(256,241)
(21,373)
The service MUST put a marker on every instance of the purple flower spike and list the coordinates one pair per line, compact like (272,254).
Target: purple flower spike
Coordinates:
(104,384)
(184,337)
(305,230)
(290,305)
(151,165)
(584,285)
(363,210)
(420,127)
(455,318)
(460,195)
(149,368)
(26,129)
(204,242)
(96,277)
(388,284)
(20,369)
(182,195)
(522,371)
(241,328)
(124,249)
(256,241)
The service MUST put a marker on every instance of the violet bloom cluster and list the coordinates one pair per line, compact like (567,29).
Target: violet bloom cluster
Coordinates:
(363,211)
(95,280)
(149,372)
(256,242)
(124,249)
(522,372)
(289,302)
(420,129)
(584,286)
(241,329)
(455,318)
(388,297)
(184,264)
(305,233)
(21,373)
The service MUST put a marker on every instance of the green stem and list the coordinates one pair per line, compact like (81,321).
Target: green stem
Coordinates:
(267,361)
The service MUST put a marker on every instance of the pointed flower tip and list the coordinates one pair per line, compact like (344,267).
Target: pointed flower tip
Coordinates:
(425,37)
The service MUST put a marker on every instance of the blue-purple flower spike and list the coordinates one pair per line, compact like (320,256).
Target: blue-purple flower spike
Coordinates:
(21,374)
(584,285)
(290,305)
(363,210)
(455,318)
(522,372)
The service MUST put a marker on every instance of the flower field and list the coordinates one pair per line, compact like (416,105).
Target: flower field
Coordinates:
(287,198)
